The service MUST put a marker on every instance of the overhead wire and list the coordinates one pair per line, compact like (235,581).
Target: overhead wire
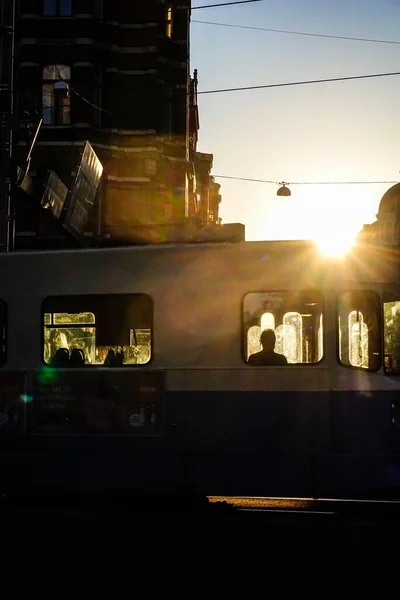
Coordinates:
(290,32)
(336,79)
(70,88)
(225,4)
(310,34)
(88,101)
(340,182)
(303,182)
(293,83)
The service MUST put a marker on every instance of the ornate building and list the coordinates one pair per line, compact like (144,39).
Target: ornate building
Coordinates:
(116,74)
(385,231)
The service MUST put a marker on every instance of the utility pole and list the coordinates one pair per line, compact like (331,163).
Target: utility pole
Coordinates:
(7,167)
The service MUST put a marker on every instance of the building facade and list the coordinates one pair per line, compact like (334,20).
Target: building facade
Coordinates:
(117,74)
(385,231)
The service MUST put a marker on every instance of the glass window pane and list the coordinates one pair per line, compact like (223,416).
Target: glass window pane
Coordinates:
(63,72)
(295,317)
(293,337)
(48,104)
(168,21)
(48,95)
(55,96)
(359,328)
(82,338)
(267,321)
(253,340)
(50,7)
(56,73)
(109,330)
(49,72)
(65,114)
(65,8)
(391,336)
(73,319)
(62,102)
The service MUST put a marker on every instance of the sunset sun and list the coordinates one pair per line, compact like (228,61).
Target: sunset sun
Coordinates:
(336,243)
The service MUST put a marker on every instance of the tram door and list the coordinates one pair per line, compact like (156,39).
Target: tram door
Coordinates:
(290,403)
(363,445)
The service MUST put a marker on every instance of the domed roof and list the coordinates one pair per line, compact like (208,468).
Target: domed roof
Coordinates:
(390,202)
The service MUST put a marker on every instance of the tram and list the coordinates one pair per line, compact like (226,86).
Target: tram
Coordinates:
(127,368)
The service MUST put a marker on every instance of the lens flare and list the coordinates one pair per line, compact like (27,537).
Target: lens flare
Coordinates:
(47,375)
(26,399)
(335,244)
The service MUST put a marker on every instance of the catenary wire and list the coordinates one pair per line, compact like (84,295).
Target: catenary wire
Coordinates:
(293,83)
(289,32)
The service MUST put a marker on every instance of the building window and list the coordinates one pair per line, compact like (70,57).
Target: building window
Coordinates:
(168,21)
(110,330)
(296,317)
(359,327)
(56,100)
(57,8)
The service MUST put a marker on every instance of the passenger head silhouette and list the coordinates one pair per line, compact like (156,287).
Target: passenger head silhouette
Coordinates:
(268,340)
(60,358)
(77,358)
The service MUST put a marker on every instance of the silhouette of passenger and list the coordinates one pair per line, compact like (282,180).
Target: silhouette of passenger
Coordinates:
(60,358)
(77,358)
(110,358)
(119,358)
(267,356)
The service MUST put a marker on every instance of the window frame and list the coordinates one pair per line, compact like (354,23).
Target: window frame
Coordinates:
(75,297)
(243,342)
(169,20)
(55,108)
(379,319)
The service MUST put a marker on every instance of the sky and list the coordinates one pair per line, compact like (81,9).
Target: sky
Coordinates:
(326,132)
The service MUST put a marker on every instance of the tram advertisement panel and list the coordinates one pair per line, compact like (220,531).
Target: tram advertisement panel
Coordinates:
(13,402)
(116,403)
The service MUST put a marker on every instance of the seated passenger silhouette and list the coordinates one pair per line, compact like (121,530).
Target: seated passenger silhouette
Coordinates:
(60,358)
(110,358)
(77,358)
(119,358)
(267,356)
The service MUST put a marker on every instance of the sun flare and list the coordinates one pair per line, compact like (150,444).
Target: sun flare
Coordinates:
(335,244)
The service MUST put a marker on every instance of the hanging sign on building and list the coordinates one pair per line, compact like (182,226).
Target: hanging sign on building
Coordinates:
(54,195)
(82,195)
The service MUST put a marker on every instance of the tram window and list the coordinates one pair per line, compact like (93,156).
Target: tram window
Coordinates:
(296,317)
(3,313)
(110,330)
(391,335)
(359,342)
